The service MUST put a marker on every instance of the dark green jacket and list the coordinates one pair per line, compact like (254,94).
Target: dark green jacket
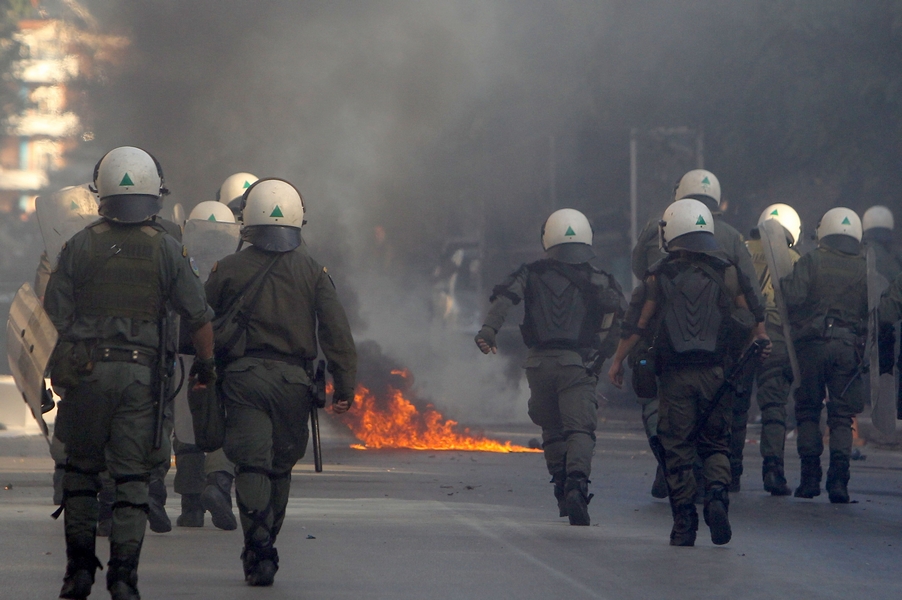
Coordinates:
(296,304)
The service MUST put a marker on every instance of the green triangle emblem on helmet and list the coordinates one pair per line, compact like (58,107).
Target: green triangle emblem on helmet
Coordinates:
(277,213)
(212,218)
(73,205)
(706,181)
(774,212)
(846,221)
(701,221)
(570,231)
(247,184)
(126,180)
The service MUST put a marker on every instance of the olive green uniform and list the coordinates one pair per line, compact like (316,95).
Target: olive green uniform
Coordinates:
(107,296)
(774,377)
(827,297)
(685,390)
(266,391)
(647,252)
(562,377)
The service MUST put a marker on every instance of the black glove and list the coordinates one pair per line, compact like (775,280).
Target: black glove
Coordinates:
(204,370)
(486,334)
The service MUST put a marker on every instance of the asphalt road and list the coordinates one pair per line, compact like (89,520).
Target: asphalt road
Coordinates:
(421,525)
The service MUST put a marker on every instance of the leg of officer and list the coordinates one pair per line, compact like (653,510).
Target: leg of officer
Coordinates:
(219,473)
(846,400)
(713,447)
(809,398)
(774,381)
(189,482)
(543,411)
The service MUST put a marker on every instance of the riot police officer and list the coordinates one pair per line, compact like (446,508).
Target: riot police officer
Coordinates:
(692,299)
(827,297)
(108,298)
(703,186)
(266,389)
(231,192)
(774,376)
(571,323)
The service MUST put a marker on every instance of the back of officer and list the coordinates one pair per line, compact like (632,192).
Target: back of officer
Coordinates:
(692,298)
(774,376)
(571,324)
(703,186)
(108,297)
(827,298)
(877,232)
(266,390)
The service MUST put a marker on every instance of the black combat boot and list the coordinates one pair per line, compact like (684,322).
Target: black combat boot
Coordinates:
(717,508)
(659,487)
(217,500)
(685,524)
(838,479)
(577,498)
(192,512)
(558,479)
(260,564)
(122,578)
(774,479)
(79,577)
(156,515)
(810,484)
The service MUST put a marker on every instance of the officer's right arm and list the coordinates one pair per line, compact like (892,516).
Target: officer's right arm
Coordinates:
(504,296)
(646,252)
(634,326)
(59,297)
(186,292)
(334,333)
(795,285)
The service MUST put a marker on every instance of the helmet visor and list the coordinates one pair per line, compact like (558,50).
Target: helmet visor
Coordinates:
(273,238)
(130,208)
(695,241)
(573,253)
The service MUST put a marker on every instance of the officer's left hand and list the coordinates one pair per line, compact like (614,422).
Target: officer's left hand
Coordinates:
(766,352)
(485,339)
(615,374)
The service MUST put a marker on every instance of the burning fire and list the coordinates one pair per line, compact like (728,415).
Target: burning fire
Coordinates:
(390,420)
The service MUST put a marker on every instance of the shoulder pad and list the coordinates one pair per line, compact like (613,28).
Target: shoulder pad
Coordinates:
(657,265)
(149,231)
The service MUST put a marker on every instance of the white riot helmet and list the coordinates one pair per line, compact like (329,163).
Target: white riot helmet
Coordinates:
(211,210)
(699,184)
(232,190)
(129,183)
(877,217)
(687,225)
(567,236)
(839,221)
(273,215)
(786,216)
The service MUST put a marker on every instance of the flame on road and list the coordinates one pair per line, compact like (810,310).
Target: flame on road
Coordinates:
(390,420)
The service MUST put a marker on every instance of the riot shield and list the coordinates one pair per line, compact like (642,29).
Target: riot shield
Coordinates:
(779,265)
(63,214)
(209,241)
(883,387)
(30,340)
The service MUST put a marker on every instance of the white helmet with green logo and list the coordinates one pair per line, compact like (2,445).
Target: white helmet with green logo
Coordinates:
(786,216)
(839,221)
(687,225)
(567,236)
(877,217)
(210,210)
(129,183)
(232,190)
(699,184)
(273,215)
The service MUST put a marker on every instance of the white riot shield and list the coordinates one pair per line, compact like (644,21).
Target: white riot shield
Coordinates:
(883,387)
(207,242)
(30,340)
(63,214)
(779,265)
(210,241)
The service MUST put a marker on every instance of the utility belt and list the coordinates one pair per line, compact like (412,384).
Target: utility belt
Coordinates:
(291,359)
(145,358)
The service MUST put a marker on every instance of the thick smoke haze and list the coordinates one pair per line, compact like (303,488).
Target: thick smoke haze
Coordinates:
(408,124)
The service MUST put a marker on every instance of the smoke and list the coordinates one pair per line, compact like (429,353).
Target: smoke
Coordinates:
(406,124)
